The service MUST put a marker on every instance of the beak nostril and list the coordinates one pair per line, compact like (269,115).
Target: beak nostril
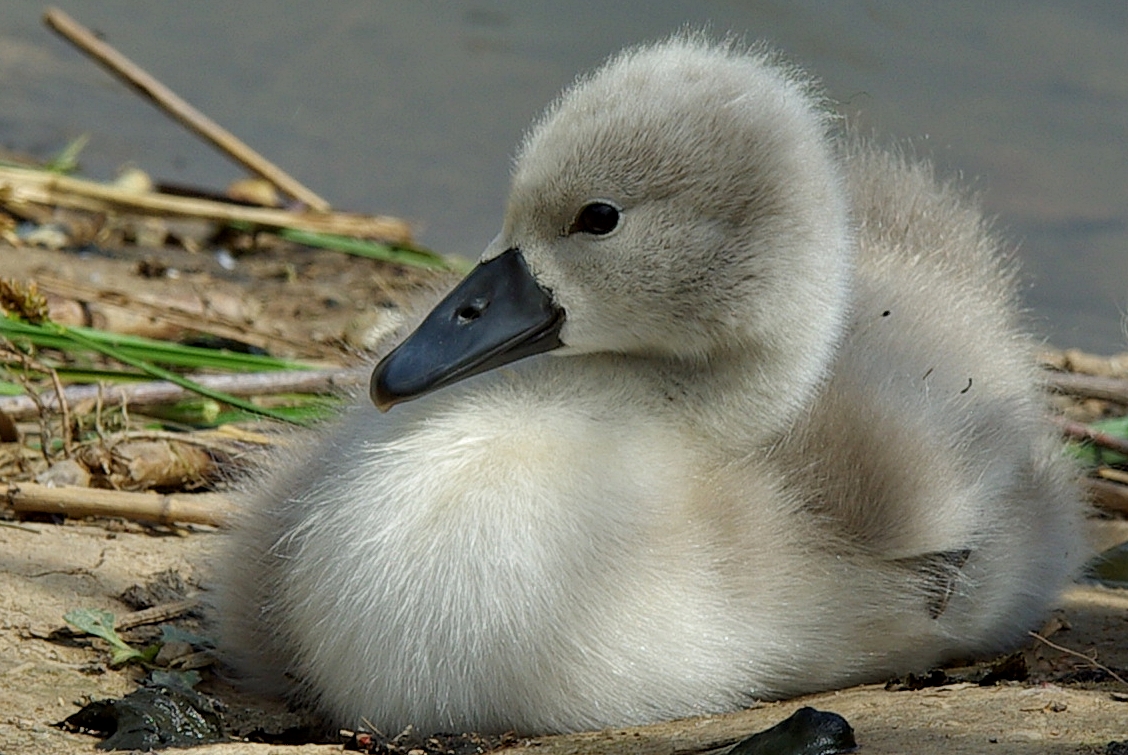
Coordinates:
(472,311)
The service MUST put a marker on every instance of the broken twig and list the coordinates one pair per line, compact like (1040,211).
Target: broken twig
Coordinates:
(1091,661)
(156,614)
(1089,386)
(167,100)
(161,392)
(196,508)
(21,186)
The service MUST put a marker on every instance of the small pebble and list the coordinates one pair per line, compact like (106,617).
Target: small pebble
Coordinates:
(48,236)
(225,260)
(170,651)
(65,472)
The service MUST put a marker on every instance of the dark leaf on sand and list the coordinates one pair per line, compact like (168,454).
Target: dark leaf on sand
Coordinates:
(806,732)
(151,718)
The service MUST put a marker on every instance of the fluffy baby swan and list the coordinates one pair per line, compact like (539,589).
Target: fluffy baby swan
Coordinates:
(788,436)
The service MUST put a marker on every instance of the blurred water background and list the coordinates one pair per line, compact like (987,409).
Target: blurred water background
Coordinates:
(414,108)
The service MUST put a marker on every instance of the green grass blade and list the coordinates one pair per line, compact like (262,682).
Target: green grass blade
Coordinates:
(163,374)
(67,160)
(1094,455)
(147,349)
(375,250)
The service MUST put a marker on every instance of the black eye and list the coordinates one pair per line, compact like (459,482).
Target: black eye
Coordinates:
(596,218)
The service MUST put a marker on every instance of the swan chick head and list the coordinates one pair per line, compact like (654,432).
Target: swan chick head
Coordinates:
(682,202)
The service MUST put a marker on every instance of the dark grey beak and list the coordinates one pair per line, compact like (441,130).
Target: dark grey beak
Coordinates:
(496,315)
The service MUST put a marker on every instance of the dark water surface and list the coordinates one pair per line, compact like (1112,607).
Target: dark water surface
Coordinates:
(414,108)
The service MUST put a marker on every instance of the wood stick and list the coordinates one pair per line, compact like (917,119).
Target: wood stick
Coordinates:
(1091,661)
(71,501)
(167,100)
(160,392)
(1113,474)
(21,186)
(1089,386)
(156,614)
(146,616)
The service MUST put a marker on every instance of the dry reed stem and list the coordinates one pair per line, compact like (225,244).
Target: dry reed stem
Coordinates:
(158,392)
(1112,474)
(167,100)
(21,187)
(197,508)
(222,441)
(1089,386)
(35,406)
(156,614)
(64,406)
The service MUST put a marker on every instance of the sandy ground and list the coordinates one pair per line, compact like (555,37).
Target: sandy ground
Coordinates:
(47,569)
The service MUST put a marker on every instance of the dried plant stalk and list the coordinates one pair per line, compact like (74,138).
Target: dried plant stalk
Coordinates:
(139,395)
(1113,389)
(20,186)
(195,508)
(167,100)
